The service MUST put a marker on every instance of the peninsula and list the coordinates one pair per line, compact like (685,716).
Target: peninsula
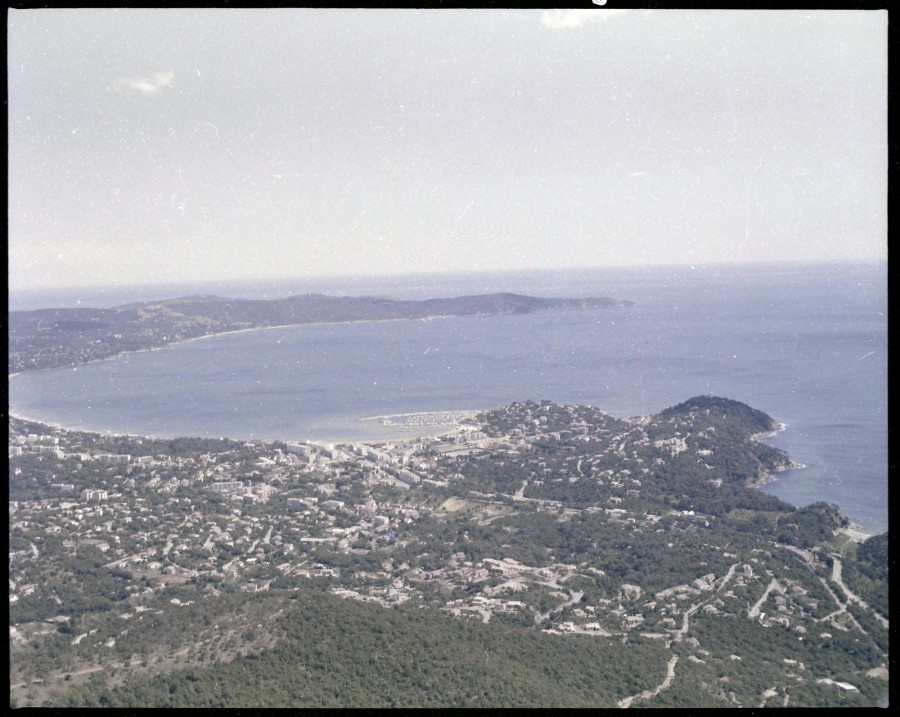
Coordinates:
(51,338)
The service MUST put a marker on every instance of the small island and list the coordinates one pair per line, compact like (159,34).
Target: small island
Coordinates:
(52,338)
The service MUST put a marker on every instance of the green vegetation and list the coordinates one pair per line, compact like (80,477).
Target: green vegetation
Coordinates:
(339,653)
(554,557)
(867,576)
(48,338)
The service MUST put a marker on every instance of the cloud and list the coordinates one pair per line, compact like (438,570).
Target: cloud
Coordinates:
(145,86)
(556,19)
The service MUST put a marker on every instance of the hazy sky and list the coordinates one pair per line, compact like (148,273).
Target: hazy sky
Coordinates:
(180,144)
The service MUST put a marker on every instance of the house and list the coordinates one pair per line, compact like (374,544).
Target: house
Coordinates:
(302,502)
(631,590)
(845,686)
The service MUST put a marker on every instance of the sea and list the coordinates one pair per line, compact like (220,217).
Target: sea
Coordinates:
(806,343)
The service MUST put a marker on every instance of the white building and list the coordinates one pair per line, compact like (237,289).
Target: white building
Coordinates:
(114,458)
(298,449)
(227,486)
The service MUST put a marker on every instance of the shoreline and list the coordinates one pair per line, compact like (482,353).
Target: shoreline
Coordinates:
(853,531)
(767,476)
(412,432)
(68,429)
(470,411)
(615,304)
(172,344)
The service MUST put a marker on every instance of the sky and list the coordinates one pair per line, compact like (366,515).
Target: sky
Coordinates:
(175,145)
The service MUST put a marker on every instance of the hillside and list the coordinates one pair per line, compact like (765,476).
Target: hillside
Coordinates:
(541,555)
(48,338)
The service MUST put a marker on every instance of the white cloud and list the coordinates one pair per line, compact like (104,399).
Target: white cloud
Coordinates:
(556,19)
(145,86)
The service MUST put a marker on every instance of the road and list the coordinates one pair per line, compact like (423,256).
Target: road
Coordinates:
(836,577)
(774,585)
(576,596)
(647,694)
(727,577)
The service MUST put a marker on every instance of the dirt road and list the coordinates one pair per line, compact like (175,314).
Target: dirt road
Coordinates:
(647,694)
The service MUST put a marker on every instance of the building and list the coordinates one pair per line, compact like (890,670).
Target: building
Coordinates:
(302,502)
(56,452)
(227,486)
(114,458)
(298,449)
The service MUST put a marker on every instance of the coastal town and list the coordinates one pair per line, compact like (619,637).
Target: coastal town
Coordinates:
(553,518)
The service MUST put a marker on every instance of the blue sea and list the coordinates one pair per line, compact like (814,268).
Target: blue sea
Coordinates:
(807,344)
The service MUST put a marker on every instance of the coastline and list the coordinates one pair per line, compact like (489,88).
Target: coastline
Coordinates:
(616,304)
(172,344)
(854,530)
(417,431)
(766,476)
(74,367)
(468,411)
(410,432)
(48,424)
(59,427)
(400,433)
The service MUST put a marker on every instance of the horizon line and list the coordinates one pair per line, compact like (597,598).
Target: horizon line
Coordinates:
(435,273)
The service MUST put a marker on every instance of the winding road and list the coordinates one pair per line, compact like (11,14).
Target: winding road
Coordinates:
(836,577)
(647,694)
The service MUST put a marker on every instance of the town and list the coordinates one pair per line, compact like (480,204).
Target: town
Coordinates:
(553,518)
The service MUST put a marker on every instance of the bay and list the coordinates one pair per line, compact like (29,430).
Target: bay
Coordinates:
(805,343)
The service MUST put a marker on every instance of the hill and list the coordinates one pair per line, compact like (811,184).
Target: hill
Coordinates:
(49,338)
(540,555)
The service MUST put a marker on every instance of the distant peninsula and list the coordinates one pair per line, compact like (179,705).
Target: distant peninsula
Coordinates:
(51,338)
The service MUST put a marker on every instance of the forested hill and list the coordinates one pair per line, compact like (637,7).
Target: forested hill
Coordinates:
(729,410)
(47,338)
